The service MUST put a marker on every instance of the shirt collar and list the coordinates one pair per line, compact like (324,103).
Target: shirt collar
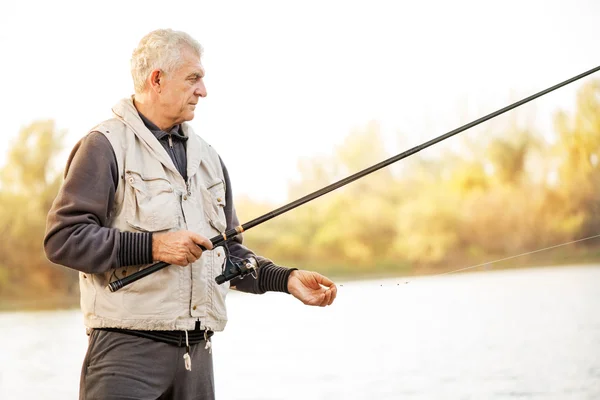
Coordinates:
(176,131)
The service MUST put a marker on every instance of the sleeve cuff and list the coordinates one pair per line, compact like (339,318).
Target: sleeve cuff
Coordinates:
(135,248)
(272,278)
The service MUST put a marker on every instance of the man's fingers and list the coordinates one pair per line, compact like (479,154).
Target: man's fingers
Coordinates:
(328,296)
(325,297)
(182,261)
(323,280)
(190,258)
(333,290)
(195,250)
(179,248)
(322,297)
(201,240)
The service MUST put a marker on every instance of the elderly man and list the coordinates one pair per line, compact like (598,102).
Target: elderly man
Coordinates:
(140,188)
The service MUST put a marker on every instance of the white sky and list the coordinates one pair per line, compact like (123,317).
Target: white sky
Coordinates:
(290,79)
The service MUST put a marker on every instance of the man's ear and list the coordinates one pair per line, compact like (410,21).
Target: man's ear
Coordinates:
(156,78)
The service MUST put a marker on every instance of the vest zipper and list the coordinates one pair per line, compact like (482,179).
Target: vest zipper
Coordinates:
(187,193)
(174,157)
(182,211)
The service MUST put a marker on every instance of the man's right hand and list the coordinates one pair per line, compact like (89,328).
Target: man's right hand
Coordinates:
(179,248)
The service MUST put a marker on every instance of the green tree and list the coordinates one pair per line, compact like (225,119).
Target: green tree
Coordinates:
(577,156)
(28,187)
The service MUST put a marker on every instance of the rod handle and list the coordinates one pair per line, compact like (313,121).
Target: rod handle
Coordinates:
(120,283)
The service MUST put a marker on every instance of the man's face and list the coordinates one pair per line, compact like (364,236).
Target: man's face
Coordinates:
(181,89)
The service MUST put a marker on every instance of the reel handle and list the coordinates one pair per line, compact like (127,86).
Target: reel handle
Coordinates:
(235,269)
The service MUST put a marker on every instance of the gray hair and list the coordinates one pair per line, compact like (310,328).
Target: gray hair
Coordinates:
(159,49)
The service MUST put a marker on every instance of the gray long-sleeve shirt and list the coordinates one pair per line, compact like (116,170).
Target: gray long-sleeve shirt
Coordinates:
(77,235)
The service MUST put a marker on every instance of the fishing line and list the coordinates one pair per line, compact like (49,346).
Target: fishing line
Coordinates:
(488,263)
(519,255)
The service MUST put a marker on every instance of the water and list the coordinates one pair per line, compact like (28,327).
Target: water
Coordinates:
(518,334)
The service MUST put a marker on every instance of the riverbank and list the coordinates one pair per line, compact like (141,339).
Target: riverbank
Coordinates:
(339,272)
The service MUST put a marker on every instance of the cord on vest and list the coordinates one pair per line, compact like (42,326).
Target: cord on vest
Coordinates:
(186,357)
(208,342)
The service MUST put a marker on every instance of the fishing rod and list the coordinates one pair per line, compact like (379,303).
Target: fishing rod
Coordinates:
(249,266)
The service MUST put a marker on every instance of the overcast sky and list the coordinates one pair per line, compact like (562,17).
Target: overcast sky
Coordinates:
(290,79)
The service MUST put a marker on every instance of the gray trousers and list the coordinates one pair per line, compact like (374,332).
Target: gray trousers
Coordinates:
(126,367)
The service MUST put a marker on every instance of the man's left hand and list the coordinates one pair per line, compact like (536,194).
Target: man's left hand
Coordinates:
(311,288)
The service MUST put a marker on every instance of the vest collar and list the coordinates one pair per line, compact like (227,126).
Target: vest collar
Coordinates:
(196,149)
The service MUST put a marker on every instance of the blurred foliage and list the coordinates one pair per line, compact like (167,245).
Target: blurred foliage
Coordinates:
(509,192)
(27,189)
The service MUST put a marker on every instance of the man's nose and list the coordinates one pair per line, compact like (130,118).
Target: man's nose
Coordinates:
(200,89)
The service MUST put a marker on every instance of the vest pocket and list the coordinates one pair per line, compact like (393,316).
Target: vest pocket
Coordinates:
(218,309)
(214,205)
(151,203)
(147,296)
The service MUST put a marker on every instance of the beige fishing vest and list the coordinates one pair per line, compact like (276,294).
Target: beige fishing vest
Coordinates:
(152,196)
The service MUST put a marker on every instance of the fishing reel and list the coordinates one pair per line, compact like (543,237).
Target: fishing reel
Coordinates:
(233,269)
